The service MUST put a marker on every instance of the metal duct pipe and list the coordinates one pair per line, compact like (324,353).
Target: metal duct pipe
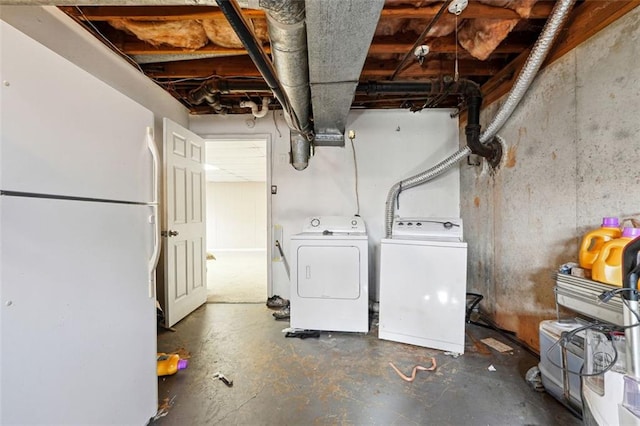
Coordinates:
(288,35)
(340,34)
(260,59)
(300,150)
(556,20)
(539,52)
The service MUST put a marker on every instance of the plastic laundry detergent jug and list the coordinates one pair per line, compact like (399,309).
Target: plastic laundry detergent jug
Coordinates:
(170,364)
(608,265)
(593,241)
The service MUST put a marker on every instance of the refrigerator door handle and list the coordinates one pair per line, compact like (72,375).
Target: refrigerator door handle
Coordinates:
(155,155)
(154,219)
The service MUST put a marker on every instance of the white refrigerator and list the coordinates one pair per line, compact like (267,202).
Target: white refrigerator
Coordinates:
(78,244)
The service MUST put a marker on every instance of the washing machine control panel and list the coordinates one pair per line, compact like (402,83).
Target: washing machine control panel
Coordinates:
(334,224)
(428,228)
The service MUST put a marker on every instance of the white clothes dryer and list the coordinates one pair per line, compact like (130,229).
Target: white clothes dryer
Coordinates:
(330,275)
(423,281)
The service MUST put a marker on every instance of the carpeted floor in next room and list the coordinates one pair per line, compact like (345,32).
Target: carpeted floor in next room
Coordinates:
(339,378)
(237,277)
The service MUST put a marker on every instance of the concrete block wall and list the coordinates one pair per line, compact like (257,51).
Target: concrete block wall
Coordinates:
(571,157)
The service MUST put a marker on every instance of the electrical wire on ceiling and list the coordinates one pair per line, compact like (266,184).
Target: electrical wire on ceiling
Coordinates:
(421,37)
(352,136)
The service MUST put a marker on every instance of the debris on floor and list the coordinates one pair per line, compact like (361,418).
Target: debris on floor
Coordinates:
(223,379)
(210,256)
(283,313)
(276,301)
(497,345)
(182,352)
(452,354)
(169,364)
(491,368)
(534,379)
(480,347)
(164,407)
(302,334)
(415,370)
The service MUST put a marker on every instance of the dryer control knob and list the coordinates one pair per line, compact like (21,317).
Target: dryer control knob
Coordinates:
(354,222)
(315,222)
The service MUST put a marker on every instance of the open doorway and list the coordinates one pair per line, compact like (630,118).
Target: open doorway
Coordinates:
(237,212)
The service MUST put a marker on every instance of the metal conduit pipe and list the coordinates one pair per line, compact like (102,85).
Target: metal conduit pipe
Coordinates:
(536,57)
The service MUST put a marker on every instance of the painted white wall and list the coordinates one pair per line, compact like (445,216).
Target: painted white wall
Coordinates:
(571,158)
(391,145)
(236,216)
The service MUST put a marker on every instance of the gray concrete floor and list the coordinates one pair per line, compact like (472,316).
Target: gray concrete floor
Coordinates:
(340,378)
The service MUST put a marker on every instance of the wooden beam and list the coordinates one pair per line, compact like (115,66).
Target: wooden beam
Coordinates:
(199,68)
(475,9)
(376,69)
(133,46)
(155,13)
(587,19)
(446,44)
(163,13)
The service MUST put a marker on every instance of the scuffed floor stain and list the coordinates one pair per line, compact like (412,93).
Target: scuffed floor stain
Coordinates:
(163,408)
(476,201)
(554,155)
(183,353)
(511,157)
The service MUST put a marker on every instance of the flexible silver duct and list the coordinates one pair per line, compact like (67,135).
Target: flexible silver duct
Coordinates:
(539,52)
(556,20)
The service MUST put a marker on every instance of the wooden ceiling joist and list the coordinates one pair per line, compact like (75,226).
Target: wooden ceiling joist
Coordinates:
(165,13)
(588,18)
(200,68)
(155,13)
(447,44)
(137,47)
(540,10)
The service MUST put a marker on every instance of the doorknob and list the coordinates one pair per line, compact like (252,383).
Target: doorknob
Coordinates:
(170,233)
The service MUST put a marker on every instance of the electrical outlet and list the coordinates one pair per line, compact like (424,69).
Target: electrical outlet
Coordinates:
(274,189)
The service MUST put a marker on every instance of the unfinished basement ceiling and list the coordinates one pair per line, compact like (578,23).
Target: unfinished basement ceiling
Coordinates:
(180,47)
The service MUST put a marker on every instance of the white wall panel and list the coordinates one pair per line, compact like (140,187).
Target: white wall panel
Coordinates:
(391,145)
(236,215)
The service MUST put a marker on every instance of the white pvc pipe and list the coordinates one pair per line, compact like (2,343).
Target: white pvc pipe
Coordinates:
(257,113)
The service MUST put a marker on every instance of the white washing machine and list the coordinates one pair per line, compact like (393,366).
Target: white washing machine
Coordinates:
(330,275)
(423,283)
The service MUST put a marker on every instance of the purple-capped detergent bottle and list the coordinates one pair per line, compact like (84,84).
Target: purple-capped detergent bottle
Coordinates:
(608,265)
(593,241)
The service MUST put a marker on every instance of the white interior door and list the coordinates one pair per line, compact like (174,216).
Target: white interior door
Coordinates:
(184,233)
